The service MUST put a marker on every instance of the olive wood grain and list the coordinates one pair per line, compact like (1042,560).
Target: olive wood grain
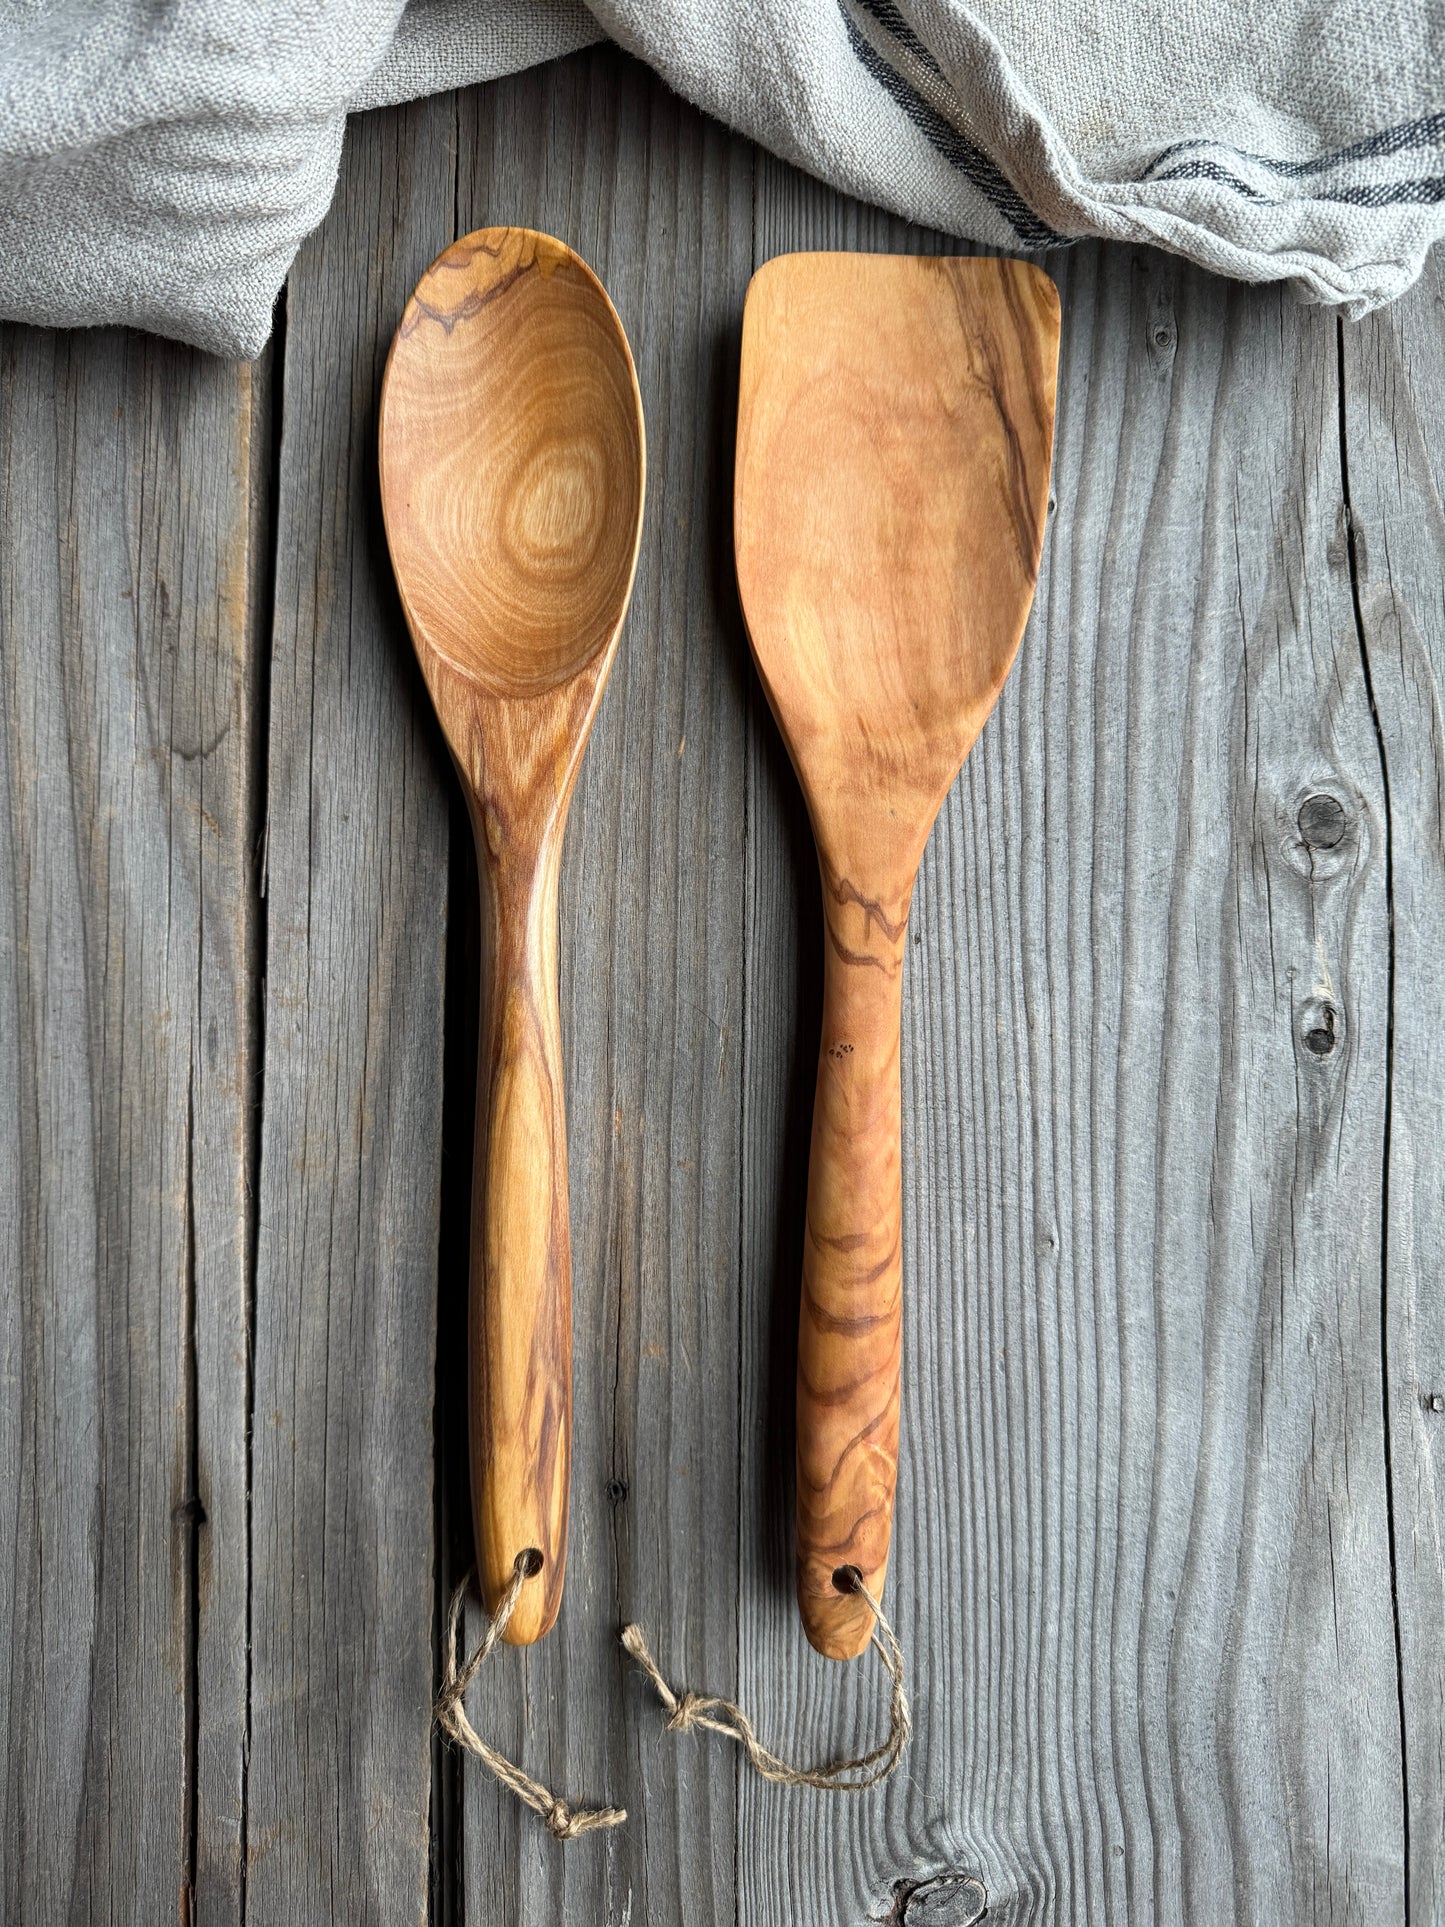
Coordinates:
(512,477)
(895,430)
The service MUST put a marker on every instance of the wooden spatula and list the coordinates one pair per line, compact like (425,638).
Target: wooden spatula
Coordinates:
(895,430)
(512,471)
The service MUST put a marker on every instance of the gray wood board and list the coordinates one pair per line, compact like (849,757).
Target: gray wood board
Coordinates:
(346,1266)
(1167,1554)
(127,1024)
(659,201)
(1394,420)
(1142,1553)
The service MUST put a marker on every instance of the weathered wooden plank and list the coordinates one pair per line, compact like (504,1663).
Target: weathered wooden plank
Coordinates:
(660,203)
(346,1260)
(1142,1554)
(127,917)
(1394,421)
(1172,1384)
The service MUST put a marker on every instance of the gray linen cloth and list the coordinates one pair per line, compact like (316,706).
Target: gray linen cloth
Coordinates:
(162,160)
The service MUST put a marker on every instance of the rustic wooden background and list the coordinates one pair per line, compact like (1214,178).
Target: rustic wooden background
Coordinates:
(1168,1550)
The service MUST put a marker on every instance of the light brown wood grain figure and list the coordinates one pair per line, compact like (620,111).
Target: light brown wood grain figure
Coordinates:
(512,473)
(895,432)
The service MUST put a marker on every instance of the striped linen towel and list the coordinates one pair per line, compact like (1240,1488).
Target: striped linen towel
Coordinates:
(161,162)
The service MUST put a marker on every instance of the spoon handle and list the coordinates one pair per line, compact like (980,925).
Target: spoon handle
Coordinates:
(520,1347)
(849,1326)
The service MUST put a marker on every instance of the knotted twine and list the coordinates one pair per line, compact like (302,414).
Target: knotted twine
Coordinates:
(562,1822)
(684,1711)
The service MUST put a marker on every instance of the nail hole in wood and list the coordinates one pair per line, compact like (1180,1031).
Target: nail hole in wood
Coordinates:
(616,1491)
(528,1562)
(1320,1036)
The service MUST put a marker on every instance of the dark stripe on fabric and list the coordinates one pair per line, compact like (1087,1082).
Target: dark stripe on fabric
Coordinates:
(888,16)
(984,173)
(941,134)
(1424,193)
(1425,132)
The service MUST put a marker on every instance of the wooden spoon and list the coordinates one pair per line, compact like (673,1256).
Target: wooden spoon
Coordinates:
(894,435)
(512,471)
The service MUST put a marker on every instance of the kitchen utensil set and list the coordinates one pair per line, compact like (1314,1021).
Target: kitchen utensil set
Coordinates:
(895,428)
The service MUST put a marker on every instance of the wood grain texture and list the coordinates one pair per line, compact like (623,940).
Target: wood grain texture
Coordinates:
(1142,1549)
(127,1038)
(512,477)
(1393,367)
(659,202)
(342,1516)
(1166,1548)
(895,423)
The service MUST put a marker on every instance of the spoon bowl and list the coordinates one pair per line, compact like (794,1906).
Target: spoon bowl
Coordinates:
(513,469)
(512,462)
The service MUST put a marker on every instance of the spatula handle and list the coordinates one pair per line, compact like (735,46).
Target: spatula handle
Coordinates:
(849,1325)
(520,1343)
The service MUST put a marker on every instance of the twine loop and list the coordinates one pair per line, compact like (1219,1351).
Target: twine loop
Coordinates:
(685,1710)
(562,1821)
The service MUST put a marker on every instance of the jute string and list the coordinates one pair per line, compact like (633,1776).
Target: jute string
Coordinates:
(563,1822)
(685,1710)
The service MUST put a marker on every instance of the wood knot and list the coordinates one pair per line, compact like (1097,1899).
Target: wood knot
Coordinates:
(1321,820)
(1317,1028)
(947,1900)
(1161,338)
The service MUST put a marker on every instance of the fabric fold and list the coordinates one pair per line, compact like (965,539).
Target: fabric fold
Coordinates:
(162,160)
